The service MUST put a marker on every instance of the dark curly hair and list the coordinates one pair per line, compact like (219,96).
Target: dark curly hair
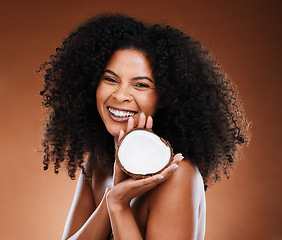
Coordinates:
(202,116)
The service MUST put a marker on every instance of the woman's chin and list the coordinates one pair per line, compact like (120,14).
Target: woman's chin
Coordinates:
(115,131)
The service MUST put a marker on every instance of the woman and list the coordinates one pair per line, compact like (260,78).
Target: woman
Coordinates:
(113,74)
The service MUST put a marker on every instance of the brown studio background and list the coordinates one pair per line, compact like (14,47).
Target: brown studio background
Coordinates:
(243,35)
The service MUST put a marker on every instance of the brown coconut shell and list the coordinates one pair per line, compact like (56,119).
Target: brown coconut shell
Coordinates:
(140,176)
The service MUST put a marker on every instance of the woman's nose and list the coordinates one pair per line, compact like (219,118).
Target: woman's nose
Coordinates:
(122,94)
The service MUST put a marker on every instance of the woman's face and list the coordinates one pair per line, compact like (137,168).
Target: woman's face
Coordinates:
(126,89)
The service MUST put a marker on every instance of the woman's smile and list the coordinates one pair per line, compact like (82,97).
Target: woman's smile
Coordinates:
(126,89)
(120,114)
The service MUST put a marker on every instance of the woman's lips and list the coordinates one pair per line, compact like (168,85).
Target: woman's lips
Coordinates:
(120,115)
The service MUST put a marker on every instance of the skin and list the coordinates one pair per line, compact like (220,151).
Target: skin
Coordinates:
(169,205)
(127,85)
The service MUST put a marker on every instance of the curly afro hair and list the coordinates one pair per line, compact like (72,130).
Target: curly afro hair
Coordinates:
(202,115)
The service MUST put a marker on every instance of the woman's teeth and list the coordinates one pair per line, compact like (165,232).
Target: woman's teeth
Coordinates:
(119,113)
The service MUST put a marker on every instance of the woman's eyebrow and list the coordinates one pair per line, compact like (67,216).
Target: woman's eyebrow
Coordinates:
(136,78)
(139,78)
(111,72)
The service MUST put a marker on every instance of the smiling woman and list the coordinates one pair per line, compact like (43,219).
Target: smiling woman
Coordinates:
(126,89)
(114,74)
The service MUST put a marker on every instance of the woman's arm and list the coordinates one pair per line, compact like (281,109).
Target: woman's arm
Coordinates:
(173,209)
(174,206)
(118,199)
(84,221)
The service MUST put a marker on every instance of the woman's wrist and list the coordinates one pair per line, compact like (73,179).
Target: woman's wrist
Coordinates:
(114,204)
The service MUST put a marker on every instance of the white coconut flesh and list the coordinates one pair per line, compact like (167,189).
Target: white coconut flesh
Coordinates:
(142,152)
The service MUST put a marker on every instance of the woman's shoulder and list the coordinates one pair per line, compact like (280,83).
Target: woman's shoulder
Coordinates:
(176,207)
(187,171)
(186,182)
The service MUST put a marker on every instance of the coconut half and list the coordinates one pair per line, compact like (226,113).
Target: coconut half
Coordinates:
(142,153)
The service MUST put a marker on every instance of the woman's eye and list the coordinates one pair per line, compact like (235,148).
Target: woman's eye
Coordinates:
(111,80)
(142,85)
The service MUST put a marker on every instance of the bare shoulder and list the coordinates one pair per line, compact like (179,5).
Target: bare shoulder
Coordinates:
(82,207)
(177,205)
(187,171)
(186,178)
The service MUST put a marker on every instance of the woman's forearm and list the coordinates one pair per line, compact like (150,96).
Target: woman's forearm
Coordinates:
(97,226)
(123,224)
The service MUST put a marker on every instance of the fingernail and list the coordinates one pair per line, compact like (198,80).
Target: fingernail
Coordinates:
(142,114)
(180,159)
(175,167)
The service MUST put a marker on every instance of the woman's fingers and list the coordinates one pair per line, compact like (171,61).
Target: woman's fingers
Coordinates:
(142,123)
(158,178)
(149,123)
(131,188)
(138,187)
(130,124)
(177,158)
(142,120)
(121,134)
(168,171)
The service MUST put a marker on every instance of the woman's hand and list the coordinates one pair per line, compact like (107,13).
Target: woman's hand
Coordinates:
(119,175)
(122,193)
(126,188)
